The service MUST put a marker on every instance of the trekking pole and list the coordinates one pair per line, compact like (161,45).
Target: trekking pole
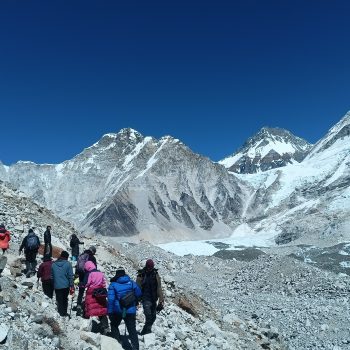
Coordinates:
(71,305)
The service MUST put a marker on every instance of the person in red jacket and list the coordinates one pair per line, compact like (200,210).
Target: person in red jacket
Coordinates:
(4,238)
(96,305)
(44,273)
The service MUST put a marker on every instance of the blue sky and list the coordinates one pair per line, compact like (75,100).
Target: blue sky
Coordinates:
(210,73)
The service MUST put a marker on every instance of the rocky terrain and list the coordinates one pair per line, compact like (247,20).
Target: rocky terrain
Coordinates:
(29,319)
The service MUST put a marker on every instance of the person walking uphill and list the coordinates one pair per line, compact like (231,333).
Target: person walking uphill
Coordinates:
(121,289)
(44,272)
(47,242)
(62,276)
(4,238)
(96,294)
(87,255)
(149,281)
(30,244)
(74,244)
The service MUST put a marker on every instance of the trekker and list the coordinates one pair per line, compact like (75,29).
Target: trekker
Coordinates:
(30,244)
(96,295)
(121,285)
(44,272)
(47,242)
(149,281)
(74,244)
(62,276)
(4,239)
(87,255)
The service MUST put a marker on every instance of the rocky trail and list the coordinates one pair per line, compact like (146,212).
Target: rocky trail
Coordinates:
(29,319)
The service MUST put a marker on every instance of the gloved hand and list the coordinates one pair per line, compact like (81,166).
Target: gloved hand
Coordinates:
(160,306)
(71,290)
(76,281)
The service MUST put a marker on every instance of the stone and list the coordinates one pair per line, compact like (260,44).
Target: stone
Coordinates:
(149,339)
(108,343)
(3,332)
(91,338)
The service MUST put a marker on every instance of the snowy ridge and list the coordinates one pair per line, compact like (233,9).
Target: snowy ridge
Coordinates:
(269,148)
(139,187)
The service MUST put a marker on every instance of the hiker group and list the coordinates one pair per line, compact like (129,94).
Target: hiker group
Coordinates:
(111,302)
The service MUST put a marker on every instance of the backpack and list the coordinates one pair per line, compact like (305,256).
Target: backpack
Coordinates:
(82,259)
(128,300)
(100,293)
(32,242)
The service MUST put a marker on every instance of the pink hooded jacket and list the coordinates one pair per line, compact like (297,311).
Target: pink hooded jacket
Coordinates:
(96,279)
(94,306)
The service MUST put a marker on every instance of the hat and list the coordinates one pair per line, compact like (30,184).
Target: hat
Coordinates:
(2,225)
(149,264)
(47,258)
(30,230)
(64,254)
(93,249)
(120,272)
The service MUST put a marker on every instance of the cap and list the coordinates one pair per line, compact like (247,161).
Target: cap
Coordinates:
(149,264)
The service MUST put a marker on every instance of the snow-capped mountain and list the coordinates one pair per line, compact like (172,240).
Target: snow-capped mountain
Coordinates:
(310,199)
(270,148)
(127,184)
(130,185)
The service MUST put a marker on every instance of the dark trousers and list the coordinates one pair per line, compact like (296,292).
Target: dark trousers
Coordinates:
(62,300)
(149,309)
(48,288)
(130,322)
(81,289)
(48,249)
(30,262)
(4,250)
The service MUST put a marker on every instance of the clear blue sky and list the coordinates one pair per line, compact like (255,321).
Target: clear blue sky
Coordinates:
(210,73)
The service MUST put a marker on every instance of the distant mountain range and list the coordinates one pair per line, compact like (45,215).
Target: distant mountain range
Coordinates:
(130,185)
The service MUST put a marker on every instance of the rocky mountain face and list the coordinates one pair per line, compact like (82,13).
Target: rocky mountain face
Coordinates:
(142,188)
(128,184)
(270,148)
(309,201)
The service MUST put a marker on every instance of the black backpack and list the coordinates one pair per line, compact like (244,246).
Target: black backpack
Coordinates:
(32,243)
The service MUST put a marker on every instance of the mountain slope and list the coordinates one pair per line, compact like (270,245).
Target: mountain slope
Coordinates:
(127,184)
(270,148)
(310,199)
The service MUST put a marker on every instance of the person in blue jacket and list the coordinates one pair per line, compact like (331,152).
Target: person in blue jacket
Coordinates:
(121,285)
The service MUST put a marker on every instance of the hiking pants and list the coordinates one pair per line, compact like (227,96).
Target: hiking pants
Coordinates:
(48,288)
(149,309)
(62,300)
(48,249)
(31,261)
(130,323)
(81,288)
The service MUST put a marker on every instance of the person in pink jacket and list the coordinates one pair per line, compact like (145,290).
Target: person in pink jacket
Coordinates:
(96,295)
(4,238)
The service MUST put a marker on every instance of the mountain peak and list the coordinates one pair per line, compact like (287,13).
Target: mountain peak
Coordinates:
(269,148)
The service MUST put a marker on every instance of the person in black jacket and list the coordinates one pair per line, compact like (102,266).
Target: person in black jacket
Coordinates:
(87,255)
(150,283)
(30,244)
(74,244)
(47,242)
